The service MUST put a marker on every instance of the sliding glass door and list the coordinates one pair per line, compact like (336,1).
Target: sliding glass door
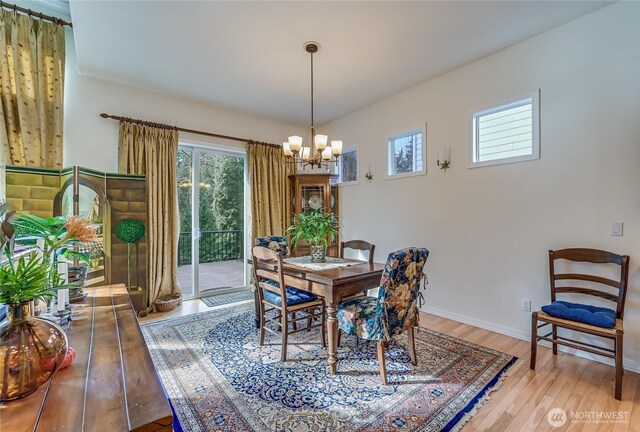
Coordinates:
(211,205)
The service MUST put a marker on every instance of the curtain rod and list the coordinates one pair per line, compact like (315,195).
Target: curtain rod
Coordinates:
(40,15)
(193,131)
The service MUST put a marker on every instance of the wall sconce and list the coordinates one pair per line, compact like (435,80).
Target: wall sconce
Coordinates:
(444,155)
(369,175)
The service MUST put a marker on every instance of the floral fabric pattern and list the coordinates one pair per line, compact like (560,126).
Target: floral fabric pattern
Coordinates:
(275,243)
(396,309)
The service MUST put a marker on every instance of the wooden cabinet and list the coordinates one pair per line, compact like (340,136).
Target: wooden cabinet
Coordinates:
(311,192)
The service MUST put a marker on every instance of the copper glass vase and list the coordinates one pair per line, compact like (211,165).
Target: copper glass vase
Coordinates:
(31,350)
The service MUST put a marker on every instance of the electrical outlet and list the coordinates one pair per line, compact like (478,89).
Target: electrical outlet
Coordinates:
(526,305)
(616,228)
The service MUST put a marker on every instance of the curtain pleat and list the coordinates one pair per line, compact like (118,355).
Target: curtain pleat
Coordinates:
(31,91)
(270,197)
(152,152)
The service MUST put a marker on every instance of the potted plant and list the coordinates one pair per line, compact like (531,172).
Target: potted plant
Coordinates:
(316,228)
(31,348)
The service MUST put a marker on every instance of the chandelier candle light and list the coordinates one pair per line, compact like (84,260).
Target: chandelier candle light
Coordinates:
(317,153)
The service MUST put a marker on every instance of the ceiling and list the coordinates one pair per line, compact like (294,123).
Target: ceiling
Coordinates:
(249,56)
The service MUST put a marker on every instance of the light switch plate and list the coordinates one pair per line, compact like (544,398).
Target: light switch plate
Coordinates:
(616,228)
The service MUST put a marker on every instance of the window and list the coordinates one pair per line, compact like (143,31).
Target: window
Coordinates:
(348,166)
(506,133)
(406,155)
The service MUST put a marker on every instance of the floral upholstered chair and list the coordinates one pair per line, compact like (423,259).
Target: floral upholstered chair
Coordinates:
(394,311)
(275,243)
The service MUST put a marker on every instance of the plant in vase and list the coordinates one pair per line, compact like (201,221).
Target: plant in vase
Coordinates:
(316,228)
(31,349)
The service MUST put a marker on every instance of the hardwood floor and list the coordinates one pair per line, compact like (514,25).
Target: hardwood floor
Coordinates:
(578,386)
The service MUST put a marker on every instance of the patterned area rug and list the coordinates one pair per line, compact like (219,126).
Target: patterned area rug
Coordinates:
(223,299)
(218,378)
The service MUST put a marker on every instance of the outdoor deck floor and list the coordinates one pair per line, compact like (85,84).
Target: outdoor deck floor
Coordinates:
(213,276)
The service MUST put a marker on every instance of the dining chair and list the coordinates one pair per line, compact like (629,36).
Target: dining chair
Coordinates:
(269,277)
(358,245)
(394,311)
(580,317)
(278,244)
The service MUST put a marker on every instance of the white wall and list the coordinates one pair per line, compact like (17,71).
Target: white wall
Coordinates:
(92,141)
(488,229)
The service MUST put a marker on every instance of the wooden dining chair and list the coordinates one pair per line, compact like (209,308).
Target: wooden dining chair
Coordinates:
(358,245)
(585,318)
(362,246)
(394,311)
(269,277)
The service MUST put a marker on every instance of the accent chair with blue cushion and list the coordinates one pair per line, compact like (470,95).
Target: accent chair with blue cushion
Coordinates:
(394,311)
(275,243)
(581,317)
(269,277)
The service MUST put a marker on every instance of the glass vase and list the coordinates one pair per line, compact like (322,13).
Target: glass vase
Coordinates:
(31,351)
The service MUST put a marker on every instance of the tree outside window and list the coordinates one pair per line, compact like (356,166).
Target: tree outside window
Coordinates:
(405,154)
(349,166)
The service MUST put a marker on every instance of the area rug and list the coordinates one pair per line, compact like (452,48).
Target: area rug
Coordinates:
(223,299)
(218,378)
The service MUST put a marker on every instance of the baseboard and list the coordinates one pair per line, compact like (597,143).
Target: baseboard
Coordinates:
(629,364)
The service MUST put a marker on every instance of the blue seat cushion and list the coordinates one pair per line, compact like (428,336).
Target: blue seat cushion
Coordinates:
(294,296)
(586,314)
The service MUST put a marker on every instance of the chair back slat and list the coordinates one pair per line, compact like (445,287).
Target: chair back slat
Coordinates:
(590,278)
(594,256)
(399,286)
(267,265)
(587,291)
(589,255)
(358,245)
(269,287)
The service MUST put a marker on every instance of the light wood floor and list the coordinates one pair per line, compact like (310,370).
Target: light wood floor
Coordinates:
(564,381)
(523,401)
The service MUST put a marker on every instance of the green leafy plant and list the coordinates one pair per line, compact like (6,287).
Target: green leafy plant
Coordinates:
(31,275)
(25,280)
(314,227)
(58,234)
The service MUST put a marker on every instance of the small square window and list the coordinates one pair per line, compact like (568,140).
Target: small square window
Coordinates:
(506,133)
(406,154)
(348,166)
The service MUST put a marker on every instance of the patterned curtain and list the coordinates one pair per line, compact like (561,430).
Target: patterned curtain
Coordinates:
(153,151)
(270,198)
(31,91)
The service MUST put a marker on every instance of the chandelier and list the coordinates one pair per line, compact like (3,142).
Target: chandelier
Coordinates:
(317,153)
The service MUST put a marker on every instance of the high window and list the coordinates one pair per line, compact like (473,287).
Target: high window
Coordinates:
(506,133)
(348,166)
(406,154)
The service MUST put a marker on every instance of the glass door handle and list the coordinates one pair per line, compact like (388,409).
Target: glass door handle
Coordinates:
(198,234)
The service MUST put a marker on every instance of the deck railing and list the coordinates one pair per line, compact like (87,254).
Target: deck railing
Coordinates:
(214,246)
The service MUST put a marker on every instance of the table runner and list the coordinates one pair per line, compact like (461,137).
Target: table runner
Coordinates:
(331,263)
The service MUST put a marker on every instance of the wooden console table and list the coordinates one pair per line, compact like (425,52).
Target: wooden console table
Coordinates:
(112,384)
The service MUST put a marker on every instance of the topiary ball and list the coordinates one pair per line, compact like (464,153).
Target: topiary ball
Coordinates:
(130,230)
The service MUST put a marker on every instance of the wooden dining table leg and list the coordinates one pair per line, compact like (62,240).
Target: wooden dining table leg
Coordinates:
(332,322)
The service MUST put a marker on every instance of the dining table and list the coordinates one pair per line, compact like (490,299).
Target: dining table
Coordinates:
(333,284)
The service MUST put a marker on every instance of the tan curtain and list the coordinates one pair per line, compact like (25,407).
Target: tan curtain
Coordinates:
(270,198)
(31,91)
(152,151)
